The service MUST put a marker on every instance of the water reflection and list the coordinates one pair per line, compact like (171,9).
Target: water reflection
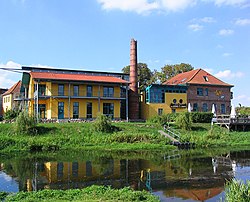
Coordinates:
(175,175)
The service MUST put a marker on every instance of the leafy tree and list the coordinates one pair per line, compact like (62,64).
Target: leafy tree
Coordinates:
(145,75)
(11,114)
(169,71)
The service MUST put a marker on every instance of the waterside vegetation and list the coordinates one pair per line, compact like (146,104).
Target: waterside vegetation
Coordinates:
(102,134)
(92,193)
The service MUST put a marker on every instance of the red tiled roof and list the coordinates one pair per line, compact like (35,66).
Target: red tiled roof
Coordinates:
(76,77)
(14,89)
(197,76)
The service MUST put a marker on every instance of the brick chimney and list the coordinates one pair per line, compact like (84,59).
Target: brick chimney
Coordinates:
(133,92)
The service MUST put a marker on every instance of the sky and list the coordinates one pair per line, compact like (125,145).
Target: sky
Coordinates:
(95,35)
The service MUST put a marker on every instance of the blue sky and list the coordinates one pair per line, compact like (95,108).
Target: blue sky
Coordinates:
(95,35)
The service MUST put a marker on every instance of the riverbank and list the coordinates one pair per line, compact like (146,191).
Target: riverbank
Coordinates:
(127,137)
(92,193)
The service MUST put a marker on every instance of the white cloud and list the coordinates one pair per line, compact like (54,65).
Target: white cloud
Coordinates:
(229,74)
(227,54)
(174,5)
(145,6)
(242,22)
(204,20)
(195,27)
(9,78)
(139,6)
(226,32)
(230,2)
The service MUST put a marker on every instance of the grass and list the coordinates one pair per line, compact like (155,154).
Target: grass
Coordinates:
(92,193)
(237,191)
(63,136)
(128,137)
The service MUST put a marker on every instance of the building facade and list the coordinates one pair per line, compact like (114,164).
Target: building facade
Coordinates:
(2,91)
(163,99)
(204,90)
(71,94)
(11,98)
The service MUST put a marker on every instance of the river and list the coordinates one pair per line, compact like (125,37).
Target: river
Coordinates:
(180,175)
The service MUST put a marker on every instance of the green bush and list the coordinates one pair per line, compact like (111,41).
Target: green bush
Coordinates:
(102,124)
(237,191)
(163,119)
(25,124)
(201,117)
(11,114)
(184,121)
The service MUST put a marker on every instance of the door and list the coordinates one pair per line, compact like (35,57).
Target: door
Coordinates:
(60,110)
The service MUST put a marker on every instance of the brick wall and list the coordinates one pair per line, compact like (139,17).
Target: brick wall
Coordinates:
(216,95)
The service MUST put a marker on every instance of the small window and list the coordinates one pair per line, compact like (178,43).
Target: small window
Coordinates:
(174,101)
(75,90)
(181,101)
(60,89)
(89,91)
(160,111)
(223,109)
(205,78)
(195,107)
(206,92)
(200,91)
(204,107)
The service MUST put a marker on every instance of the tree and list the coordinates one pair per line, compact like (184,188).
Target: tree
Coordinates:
(169,71)
(144,75)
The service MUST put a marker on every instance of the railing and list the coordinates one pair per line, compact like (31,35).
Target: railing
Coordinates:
(173,133)
(178,105)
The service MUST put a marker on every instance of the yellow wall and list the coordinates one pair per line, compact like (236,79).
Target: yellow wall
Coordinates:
(52,102)
(7,102)
(151,109)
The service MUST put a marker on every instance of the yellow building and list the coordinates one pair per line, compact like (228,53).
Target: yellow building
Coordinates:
(163,99)
(11,98)
(71,94)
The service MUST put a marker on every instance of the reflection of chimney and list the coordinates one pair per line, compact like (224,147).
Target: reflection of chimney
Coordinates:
(133,93)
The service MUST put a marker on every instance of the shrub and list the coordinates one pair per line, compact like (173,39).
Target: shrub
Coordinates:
(25,124)
(237,191)
(164,119)
(102,124)
(11,114)
(201,117)
(184,121)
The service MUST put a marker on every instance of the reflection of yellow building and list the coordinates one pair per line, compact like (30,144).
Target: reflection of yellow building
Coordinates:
(11,97)
(163,99)
(61,94)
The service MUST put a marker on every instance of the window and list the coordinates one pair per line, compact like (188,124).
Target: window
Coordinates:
(89,110)
(204,107)
(174,101)
(205,78)
(160,111)
(223,109)
(41,90)
(206,91)
(41,110)
(181,101)
(60,89)
(157,95)
(200,91)
(173,110)
(75,90)
(108,92)
(89,91)
(75,110)
(108,109)
(195,107)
